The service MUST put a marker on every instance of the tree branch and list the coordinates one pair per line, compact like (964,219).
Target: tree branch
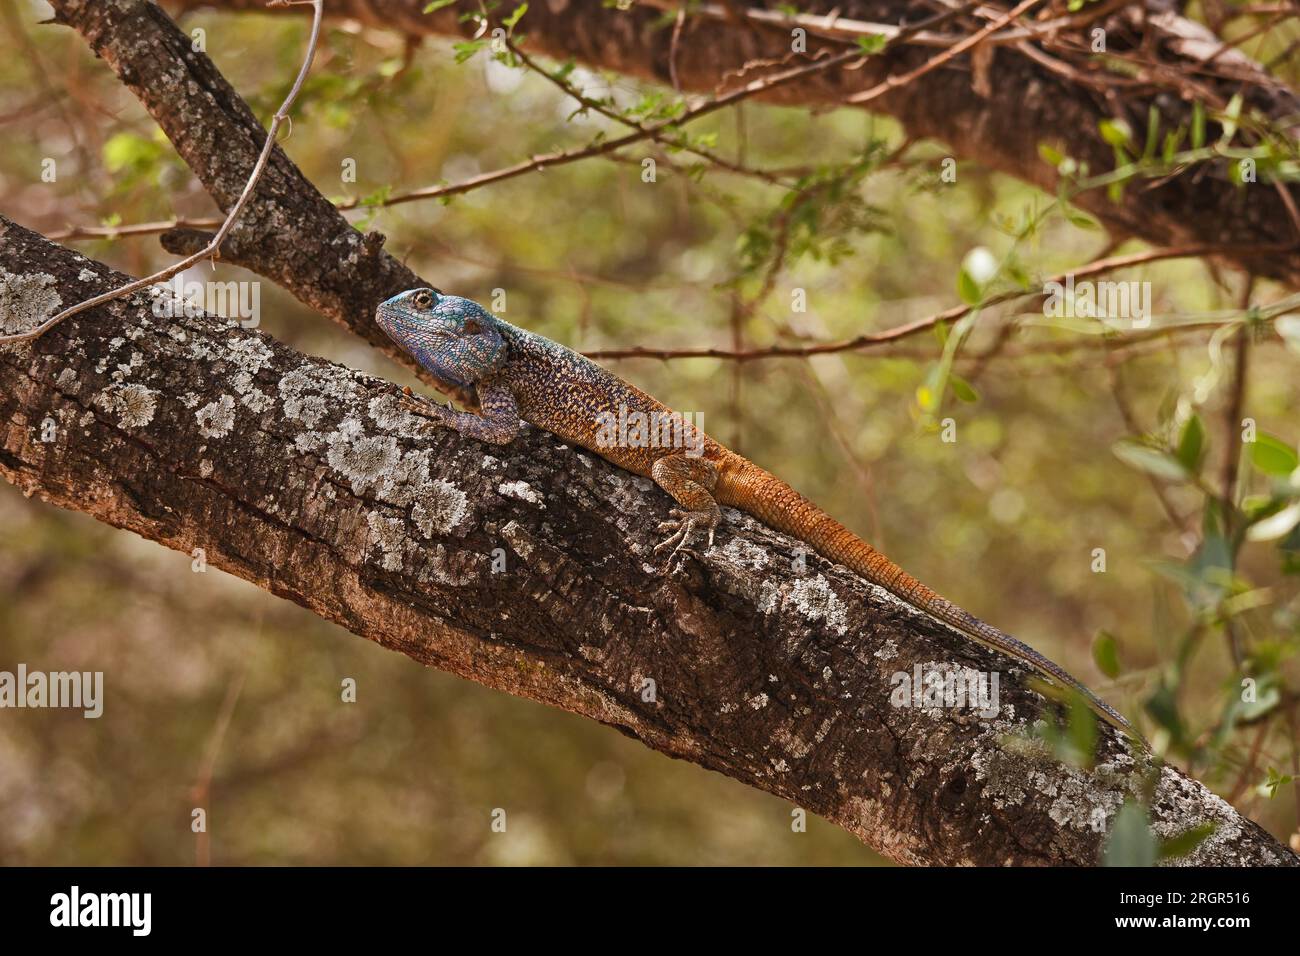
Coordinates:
(529,569)
(1027,101)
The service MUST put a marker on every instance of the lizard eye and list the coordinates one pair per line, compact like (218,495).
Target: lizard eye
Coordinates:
(422,300)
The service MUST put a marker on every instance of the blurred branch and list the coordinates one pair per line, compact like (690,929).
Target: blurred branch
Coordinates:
(308,480)
(917,326)
(1061,94)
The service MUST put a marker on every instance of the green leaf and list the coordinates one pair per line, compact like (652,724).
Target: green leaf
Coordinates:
(1191,445)
(967,288)
(1131,842)
(1229,121)
(962,388)
(1273,783)
(467,49)
(1116,132)
(872,43)
(1082,731)
(1198,124)
(437,5)
(1153,132)
(562,72)
(1153,461)
(1105,654)
(128,152)
(510,21)
(1050,154)
(1187,841)
(1273,456)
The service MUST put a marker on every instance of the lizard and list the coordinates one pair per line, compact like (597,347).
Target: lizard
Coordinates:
(501,374)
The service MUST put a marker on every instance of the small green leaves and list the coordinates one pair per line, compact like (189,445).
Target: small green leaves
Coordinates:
(1187,841)
(1198,124)
(1131,842)
(962,389)
(1273,782)
(130,153)
(510,21)
(372,203)
(872,43)
(465,50)
(562,72)
(1116,132)
(437,5)
(1105,654)
(1229,119)
(1191,446)
(1153,461)
(1273,456)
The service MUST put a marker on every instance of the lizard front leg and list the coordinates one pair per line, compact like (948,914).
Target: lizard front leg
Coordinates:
(497,422)
(690,481)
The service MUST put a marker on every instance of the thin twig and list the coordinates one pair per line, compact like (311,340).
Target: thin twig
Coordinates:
(908,329)
(894,82)
(212,249)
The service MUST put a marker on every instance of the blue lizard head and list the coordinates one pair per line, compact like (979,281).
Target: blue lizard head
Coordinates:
(456,339)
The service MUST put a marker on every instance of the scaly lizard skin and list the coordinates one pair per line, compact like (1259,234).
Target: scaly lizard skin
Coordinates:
(504,373)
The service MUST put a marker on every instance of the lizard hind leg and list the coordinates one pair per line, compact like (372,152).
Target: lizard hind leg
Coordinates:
(690,481)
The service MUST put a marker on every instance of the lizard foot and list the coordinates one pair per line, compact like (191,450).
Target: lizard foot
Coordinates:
(422,407)
(683,525)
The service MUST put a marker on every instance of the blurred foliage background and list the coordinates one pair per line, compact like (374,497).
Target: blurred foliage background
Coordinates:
(219,695)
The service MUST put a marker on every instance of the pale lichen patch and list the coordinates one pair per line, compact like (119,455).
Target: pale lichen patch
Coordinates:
(26,300)
(441,508)
(522,491)
(216,419)
(817,601)
(256,400)
(407,479)
(364,461)
(136,405)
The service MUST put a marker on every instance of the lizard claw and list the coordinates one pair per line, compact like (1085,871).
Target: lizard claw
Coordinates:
(422,408)
(683,525)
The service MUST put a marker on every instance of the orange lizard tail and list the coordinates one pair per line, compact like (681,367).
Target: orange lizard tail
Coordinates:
(742,484)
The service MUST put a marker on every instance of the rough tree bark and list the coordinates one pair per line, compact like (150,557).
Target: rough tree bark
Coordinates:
(1025,103)
(308,480)
(304,478)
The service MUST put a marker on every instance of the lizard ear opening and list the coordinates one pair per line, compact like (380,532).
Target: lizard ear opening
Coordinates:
(472,327)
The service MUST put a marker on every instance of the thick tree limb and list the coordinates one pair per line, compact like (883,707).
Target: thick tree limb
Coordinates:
(1028,99)
(306,479)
